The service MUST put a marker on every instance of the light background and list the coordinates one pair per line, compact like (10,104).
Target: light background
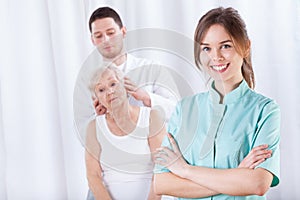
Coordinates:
(43,44)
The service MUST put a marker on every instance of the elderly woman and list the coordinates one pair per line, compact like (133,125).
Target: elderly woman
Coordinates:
(119,143)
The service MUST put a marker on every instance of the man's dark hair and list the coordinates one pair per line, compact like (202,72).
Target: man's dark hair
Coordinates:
(104,12)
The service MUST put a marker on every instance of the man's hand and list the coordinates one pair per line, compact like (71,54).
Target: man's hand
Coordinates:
(99,108)
(136,92)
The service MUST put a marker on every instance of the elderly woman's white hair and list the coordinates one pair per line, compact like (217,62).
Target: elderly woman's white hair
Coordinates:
(96,75)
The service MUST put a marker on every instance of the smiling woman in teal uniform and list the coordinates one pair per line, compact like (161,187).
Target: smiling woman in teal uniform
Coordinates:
(211,133)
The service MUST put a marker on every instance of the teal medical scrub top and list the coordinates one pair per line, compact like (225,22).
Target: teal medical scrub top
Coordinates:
(220,136)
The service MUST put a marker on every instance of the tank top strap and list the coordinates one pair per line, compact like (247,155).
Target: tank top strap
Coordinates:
(144,117)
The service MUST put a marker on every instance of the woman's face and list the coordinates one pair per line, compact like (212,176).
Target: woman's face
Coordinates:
(219,56)
(109,90)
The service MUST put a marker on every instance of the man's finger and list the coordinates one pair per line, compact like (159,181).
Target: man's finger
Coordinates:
(130,87)
(129,82)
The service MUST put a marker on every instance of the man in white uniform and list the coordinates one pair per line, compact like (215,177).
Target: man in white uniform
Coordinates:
(108,34)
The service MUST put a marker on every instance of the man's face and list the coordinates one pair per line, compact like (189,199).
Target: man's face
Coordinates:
(108,37)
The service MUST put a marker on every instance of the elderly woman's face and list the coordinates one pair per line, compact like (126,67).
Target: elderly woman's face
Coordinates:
(110,90)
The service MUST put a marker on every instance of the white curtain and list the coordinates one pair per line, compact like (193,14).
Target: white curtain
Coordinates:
(43,45)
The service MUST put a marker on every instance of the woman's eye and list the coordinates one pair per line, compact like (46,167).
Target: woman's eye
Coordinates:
(113,84)
(101,90)
(226,46)
(205,49)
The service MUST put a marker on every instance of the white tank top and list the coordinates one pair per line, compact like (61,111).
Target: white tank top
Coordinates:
(126,160)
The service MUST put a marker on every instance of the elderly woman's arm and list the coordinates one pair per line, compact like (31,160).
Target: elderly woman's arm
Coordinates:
(93,167)
(156,134)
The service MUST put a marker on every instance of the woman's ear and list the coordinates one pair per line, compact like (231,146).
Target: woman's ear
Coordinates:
(248,49)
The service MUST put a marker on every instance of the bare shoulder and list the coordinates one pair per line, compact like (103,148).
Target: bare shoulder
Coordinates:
(91,129)
(92,144)
(157,116)
(157,121)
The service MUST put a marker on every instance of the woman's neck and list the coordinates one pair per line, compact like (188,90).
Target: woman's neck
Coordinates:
(223,88)
(122,119)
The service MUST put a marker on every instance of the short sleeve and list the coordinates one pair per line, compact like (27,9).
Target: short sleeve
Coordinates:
(172,128)
(268,132)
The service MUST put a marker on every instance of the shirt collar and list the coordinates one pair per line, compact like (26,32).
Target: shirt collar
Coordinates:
(231,97)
